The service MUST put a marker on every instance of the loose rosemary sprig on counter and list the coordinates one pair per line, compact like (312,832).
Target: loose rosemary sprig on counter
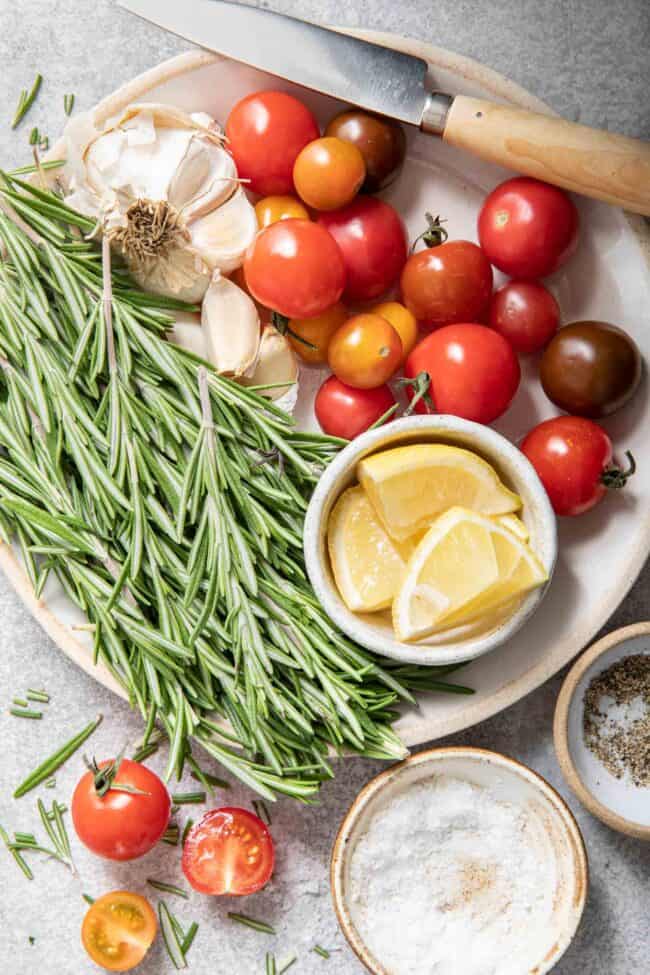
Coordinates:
(26,100)
(131,471)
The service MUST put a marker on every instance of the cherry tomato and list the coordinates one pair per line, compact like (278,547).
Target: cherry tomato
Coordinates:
(381,142)
(317,331)
(467,370)
(402,320)
(328,173)
(365,352)
(270,209)
(447,283)
(526,314)
(230,851)
(372,239)
(118,930)
(527,228)
(344,411)
(296,268)
(590,368)
(266,131)
(120,825)
(573,459)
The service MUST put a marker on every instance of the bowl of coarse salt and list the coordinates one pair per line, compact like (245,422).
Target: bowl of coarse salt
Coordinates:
(459,861)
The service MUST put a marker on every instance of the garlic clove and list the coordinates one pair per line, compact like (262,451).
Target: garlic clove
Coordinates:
(223,236)
(277,363)
(232,326)
(188,333)
(204,179)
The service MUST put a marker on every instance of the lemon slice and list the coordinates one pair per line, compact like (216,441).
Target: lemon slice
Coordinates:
(465,566)
(367,565)
(514,525)
(410,486)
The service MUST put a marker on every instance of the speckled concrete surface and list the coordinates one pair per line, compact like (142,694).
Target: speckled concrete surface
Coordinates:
(589,59)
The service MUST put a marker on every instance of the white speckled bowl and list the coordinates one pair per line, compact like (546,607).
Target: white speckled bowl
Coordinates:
(510,782)
(374,630)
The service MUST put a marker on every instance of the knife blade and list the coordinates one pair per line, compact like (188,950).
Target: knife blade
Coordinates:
(603,165)
(352,70)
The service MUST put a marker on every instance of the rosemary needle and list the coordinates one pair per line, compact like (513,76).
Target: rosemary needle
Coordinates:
(167,888)
(170,936)
(41,696)
(251,922)
(170,836)
(188,798)
(190,935)
(26,713)
(262,811)
(88,899)
(20,702)
(68,104)
(186,829)
(26,101)
(285,965)
(323,952)
(55,761)
(271,967)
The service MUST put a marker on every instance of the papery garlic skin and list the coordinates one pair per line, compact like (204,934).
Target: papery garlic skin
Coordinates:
(156,179)
(232,328)
(277,363)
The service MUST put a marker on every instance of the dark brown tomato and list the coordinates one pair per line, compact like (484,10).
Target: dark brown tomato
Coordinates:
(590,369)
(381,142)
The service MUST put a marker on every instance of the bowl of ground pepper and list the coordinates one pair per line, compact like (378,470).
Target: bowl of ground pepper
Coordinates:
(602,729)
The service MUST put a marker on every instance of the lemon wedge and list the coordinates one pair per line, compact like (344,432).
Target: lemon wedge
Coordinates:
(366,563)
(410,486)
(466,566)
(514,525)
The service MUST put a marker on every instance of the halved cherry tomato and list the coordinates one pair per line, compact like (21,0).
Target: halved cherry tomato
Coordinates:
(230,851)
(365,352)
(296,268)
(316,331)
(118,930)
(527,228)
(447,283)
(526,314)
(121,825)
(270,209)
(573,459)
(266,131)
(344,411)
(328,173)
(372,239)
(466,369)
(402,320)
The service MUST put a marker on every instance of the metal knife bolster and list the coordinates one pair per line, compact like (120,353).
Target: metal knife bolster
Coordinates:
(435,112)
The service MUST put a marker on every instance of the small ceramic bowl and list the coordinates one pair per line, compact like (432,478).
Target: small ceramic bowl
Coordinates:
(375,631)
(617,802)
(546,812)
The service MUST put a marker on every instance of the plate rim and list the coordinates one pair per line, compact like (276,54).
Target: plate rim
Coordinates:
(414,729)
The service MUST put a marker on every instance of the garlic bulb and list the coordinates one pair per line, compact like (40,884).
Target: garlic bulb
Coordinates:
(276,363)
(166,192)
(232,328)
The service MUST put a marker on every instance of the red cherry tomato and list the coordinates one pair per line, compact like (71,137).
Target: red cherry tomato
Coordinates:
(344,411)
(526,314)
(230,851)
(266,131)
(373,242)
(447,283)
(296,268)
(467,370)
(573,458)
(527,228)
(121,825)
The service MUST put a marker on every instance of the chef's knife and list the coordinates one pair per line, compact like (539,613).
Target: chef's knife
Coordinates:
(601,164)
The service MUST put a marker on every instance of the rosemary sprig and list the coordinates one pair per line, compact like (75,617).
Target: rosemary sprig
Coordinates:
(55,761)
(26,100)
(250,922)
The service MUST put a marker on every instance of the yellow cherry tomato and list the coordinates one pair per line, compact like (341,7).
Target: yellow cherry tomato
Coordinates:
(328,173)
(402,320)
(365,351)
(317,331)
(270,209)
(118,930)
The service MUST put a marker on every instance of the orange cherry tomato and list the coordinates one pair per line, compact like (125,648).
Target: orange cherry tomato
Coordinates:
(328,173)
(118,930)
(365,352)
(270,209)
(402,320)
(317,331)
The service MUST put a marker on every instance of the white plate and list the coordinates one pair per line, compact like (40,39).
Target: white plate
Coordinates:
(600,553)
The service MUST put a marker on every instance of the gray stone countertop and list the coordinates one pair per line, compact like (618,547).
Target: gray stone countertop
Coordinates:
(589,60)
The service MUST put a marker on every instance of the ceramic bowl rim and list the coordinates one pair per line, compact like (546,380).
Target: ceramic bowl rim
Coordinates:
(485,439)
(561,731)
(341,848)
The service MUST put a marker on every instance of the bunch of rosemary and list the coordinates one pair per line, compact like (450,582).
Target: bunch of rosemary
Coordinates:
(169,502)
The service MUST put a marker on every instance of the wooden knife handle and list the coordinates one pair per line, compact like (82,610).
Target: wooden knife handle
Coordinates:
(601,164)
